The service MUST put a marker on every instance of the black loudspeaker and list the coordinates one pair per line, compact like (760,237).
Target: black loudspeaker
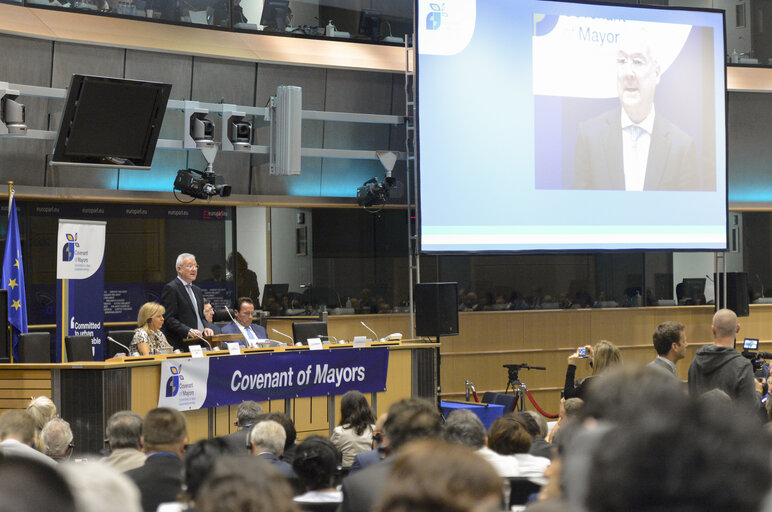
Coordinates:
(736,292)
(5,339)
(436,309)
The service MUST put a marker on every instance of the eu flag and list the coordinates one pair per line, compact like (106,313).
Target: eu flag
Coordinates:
(13,279)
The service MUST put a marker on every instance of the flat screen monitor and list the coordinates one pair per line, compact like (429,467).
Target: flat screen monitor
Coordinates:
(550,126)
(273,293)
(110,122)
(302,331)
(275,13)
(370,24)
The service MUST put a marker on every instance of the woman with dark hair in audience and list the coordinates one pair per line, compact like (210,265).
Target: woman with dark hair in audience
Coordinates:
(508,436)
(245,483)
(602,356)
(318,464)
(432,475)
(354,434)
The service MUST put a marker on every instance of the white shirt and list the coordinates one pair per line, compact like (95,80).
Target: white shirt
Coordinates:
(636,141)
(532,467)
(506,466)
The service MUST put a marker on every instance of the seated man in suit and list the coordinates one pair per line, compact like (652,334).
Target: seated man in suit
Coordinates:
(242,323)
(268,439)
(184,304)
(164,433)
(249,412)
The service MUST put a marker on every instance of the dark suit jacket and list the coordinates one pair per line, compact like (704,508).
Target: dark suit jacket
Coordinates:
(180,316)
(238,441)
(284,468)
(232,328)
(159,480)
(362,489)
(672,163)
(365,459)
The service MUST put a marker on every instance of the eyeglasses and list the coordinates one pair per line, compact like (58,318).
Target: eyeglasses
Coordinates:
(191,267)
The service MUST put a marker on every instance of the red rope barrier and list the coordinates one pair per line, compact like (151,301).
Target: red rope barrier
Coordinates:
(541,411)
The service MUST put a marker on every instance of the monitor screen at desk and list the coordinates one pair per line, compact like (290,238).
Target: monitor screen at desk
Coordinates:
(302,331)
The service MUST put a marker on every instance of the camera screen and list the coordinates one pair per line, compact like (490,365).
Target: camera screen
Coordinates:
(751,344)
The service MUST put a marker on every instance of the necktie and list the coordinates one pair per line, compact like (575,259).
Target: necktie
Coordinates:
(200,324)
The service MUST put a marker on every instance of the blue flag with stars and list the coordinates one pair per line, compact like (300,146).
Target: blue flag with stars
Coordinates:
(13,279)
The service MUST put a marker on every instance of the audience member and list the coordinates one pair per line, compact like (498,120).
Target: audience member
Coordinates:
(289,429)
(671,453)
(568,409)
(244,484)
(160,478)
(379,446)
(200,458)
(267,440)
(17,437)
(670,343)
(318,465)
(408,420)
(57,439)
(42,410)
(720,366)
(603,355)
(462,426)
(536,425)
(508,436)
(123,435)
(354,434)
(248,413)
(430,475)
(98,487)
(29,485)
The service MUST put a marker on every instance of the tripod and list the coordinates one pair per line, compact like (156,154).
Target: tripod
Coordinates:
(519,388)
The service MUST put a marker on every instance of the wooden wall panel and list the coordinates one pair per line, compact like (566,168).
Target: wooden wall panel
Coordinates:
(17,387)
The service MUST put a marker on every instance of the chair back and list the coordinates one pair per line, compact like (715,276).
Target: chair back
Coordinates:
(123,337)
(520,489)
(35,347)
(78,348)
(508,401)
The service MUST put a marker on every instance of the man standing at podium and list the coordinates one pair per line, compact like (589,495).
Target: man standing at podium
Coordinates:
(184,303)
(242,323)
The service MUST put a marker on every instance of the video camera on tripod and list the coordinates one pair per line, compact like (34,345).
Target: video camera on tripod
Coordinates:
(756,358)
(514,369)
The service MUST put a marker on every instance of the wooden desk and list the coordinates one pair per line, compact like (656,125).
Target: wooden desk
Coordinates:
(87,394)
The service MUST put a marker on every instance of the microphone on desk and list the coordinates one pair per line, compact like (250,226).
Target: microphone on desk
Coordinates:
(372,331)
(203,339)
(128,352)
(320,336)
(228,310)
(285,335)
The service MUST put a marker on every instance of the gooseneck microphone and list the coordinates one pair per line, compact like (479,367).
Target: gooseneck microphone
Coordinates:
(128,352)
(285,335)
(372,331)
(203,339)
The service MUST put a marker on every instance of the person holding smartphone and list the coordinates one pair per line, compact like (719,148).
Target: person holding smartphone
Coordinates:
(603,355)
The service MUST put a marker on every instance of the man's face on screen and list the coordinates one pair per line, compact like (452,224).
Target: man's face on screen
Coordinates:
(637,78)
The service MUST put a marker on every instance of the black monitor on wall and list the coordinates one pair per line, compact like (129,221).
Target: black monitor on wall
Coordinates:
(110,122)
(275,13)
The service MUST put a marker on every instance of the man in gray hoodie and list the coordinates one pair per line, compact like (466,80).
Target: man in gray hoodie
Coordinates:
(720,366)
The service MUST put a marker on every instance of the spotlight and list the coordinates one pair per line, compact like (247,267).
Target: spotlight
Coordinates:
(200,184)
(201,130)
(12,115)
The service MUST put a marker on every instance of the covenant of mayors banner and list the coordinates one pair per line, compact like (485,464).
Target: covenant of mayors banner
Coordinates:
(198,383)
(80,284)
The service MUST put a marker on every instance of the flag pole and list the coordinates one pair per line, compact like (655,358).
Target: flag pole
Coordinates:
(10,196)
(8,327)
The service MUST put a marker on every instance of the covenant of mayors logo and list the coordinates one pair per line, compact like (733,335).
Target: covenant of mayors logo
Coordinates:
(434,18)
(68,250)
(173,384)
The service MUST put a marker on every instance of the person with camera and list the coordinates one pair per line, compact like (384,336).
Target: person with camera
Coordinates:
(603,355)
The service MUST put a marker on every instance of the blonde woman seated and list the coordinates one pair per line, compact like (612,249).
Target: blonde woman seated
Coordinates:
(148,338)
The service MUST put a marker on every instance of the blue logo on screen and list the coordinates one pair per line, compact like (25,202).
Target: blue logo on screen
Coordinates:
(68,250)
(434,18)
(173,384)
